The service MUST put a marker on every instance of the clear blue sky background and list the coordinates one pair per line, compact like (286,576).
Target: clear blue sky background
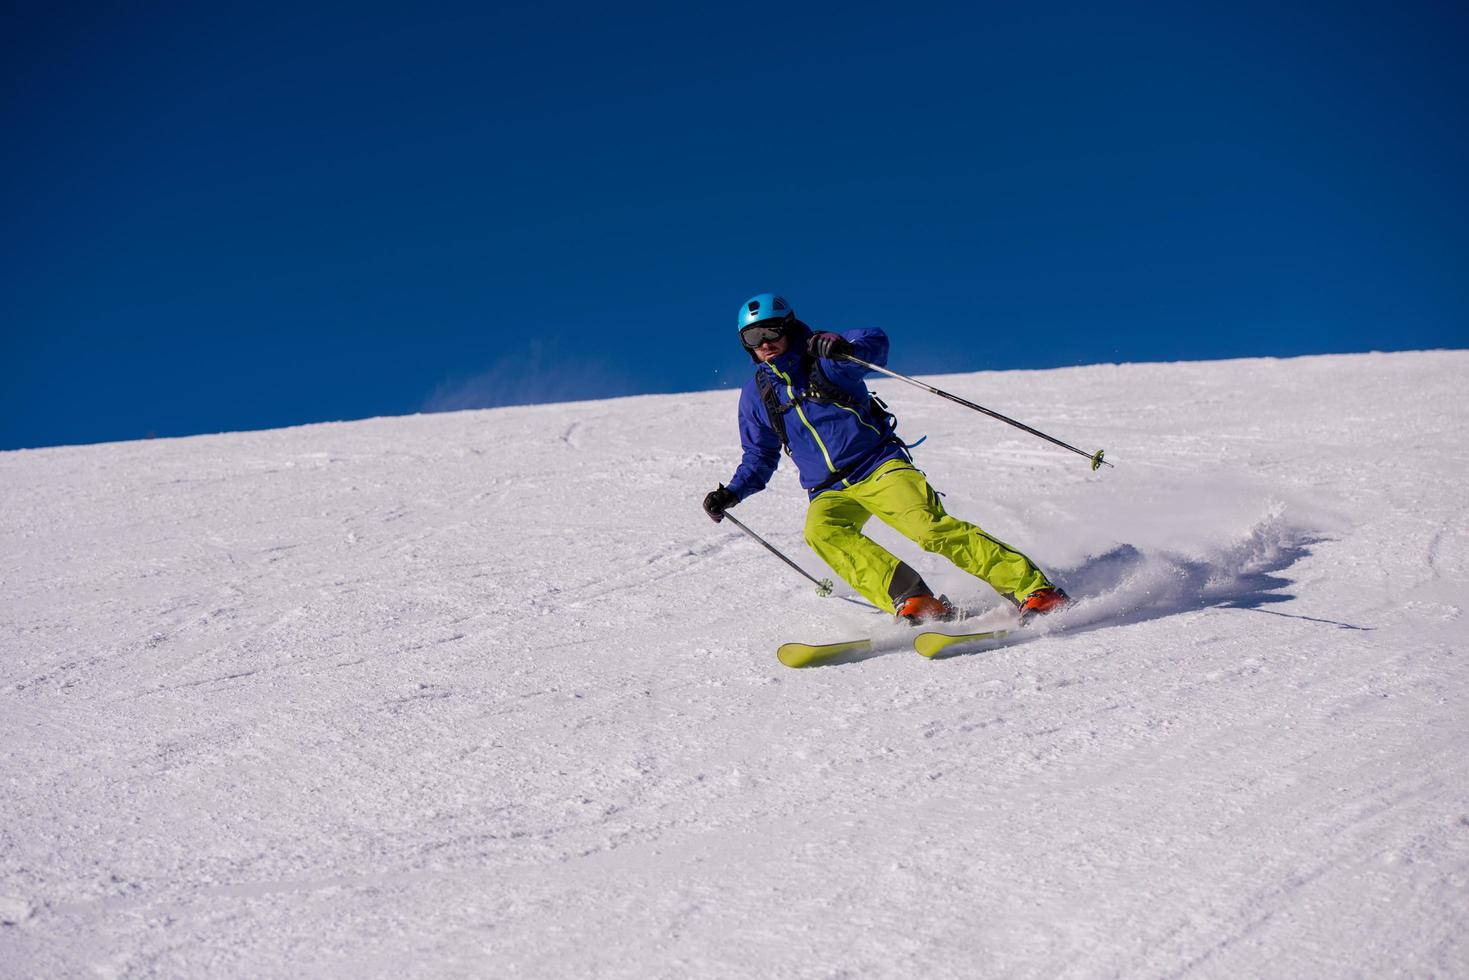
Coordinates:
(221,217)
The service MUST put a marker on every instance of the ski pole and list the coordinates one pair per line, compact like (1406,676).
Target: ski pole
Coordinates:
(823,586)
(1096,457)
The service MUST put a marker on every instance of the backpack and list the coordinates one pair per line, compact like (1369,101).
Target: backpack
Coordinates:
(821,390)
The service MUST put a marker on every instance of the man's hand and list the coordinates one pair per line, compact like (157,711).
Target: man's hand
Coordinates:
(718,499)
(829,345)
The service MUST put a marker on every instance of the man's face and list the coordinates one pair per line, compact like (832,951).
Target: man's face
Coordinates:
(771,349)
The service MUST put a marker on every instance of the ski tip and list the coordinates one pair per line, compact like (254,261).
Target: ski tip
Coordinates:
(811,654)
(794,654)
(929,644)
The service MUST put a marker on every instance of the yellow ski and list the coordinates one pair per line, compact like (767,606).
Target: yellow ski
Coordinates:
(933,644)
(810,654)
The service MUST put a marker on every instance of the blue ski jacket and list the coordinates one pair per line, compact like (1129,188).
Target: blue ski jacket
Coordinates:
(826,437)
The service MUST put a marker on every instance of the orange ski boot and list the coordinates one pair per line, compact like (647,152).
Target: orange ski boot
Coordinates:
(926,609)
(1042,601)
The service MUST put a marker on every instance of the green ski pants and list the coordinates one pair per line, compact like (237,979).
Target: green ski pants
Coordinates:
(901,498)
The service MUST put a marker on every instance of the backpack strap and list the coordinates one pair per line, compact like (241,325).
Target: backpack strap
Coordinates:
(773,408)
(821,389)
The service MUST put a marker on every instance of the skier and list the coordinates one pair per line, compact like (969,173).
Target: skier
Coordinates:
(806,398)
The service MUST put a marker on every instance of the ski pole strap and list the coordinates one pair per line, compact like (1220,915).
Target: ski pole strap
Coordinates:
(1096,457)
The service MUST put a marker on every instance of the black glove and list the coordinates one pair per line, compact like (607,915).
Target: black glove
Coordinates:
(718,499)
(829,345)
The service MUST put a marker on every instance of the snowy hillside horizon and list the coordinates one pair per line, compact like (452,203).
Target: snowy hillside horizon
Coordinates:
(485,693)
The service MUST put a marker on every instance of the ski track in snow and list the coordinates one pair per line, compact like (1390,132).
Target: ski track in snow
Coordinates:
(485,693)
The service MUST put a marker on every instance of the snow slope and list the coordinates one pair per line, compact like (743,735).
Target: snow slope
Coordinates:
(485,694)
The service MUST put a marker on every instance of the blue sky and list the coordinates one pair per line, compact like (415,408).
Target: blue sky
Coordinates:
(221,218)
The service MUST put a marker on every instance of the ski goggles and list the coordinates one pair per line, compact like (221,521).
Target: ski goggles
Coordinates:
(759,333)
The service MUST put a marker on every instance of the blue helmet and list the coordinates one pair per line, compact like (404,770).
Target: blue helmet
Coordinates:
(766,306)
